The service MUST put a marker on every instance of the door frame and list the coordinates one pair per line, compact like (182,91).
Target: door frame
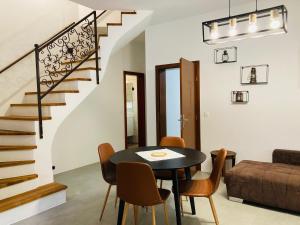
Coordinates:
(159,70)
(141,99)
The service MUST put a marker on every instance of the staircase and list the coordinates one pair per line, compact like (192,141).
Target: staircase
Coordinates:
(26,177)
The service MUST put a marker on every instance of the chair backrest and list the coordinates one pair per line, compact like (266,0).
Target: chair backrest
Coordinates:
(215,176)
(105,152)
(172,142)
(136,184)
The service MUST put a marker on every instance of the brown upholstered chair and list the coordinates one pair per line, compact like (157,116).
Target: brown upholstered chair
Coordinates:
(105,152)
(167,175)
(136,185)
(206,188)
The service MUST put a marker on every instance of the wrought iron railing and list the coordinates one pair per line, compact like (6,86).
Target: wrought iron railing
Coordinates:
(61,56)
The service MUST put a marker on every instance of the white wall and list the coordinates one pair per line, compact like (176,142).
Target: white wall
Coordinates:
(100,118)
(270,120)
(23,24)
(173,102)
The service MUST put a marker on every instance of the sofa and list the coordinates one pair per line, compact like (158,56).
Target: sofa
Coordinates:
(275,184)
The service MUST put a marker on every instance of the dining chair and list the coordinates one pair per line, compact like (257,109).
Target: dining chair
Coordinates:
(136,185)
(105,152)
(207,187)
(167,175)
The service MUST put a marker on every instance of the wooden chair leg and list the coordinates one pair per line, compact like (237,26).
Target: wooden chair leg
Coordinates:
(136,214)
(153,216)
(105,201)
(125,213)
(166,213)
(213,209)
(161,184)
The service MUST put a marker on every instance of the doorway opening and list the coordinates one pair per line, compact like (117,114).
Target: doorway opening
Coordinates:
(134,109)
(178,101)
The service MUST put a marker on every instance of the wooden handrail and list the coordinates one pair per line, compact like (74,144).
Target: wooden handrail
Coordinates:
(101,14)
(32,50)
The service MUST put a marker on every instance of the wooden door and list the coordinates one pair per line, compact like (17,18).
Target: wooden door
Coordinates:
(141,108)
(188,102)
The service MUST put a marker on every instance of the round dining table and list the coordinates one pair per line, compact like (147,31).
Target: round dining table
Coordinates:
(192,157)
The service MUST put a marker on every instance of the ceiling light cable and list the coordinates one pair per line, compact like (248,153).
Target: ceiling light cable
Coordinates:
(229,8)
(256,6)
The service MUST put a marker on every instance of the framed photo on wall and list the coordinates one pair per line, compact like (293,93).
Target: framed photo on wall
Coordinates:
(255,74)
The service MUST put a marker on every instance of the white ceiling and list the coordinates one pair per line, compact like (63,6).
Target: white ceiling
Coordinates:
(164,10)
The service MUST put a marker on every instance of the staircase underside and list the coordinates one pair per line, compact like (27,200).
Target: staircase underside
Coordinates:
(22,117)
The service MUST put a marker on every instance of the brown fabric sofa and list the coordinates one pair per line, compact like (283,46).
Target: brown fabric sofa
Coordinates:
(274,184)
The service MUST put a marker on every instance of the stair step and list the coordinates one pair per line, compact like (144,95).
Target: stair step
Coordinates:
(78,61)
(54,92)
(24,118)
(17,147)
(69,80)
(15,132)
(35,104)
(16,163)
(129,12)
(114,24)
(79,69)
(16,180)
(29,196)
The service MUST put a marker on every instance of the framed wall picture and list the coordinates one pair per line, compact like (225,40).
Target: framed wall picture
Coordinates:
(255,74)
(225,55)
(239,97)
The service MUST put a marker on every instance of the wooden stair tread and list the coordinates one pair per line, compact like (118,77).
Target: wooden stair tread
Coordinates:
(16,163)
(30,196)
(54,92)
(70,79)
(35,104)
(17,147)
(78,61)
(79,69)
(16,132)
(6,182)
(24,118)
(129,12)
(114,24)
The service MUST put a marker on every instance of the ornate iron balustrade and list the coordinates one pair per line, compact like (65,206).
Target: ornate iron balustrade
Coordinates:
(61,56)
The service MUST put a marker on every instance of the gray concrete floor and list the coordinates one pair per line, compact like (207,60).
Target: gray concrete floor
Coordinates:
(86,192)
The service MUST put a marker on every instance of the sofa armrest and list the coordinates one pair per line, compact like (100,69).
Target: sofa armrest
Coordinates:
(286,156)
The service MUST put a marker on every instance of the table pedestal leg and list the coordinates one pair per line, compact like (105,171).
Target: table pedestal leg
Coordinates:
(176,196)
(189,177)
(121,210)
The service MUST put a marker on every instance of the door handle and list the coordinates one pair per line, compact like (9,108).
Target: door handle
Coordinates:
(183,120)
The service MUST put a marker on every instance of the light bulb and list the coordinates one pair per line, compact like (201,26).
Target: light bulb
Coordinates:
(274,15)
(232,27)
(252,23)
(214,30)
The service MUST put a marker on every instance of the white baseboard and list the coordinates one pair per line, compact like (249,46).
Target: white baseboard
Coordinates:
(33,208)
(234,199)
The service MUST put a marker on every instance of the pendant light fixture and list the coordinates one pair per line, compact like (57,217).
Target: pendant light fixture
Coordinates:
(253,24)
(275,20)
(214,30)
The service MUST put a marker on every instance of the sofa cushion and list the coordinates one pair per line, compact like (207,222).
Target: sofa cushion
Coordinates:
(273,184)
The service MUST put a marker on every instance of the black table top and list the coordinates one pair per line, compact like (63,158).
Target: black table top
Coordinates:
(193,158)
